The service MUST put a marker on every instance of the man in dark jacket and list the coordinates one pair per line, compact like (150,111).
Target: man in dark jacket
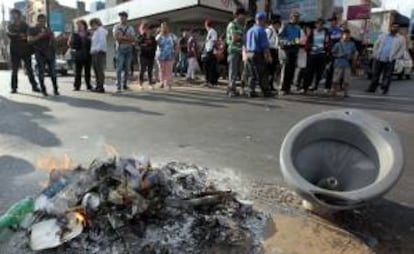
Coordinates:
(20,50)
(148,47)
(43,41)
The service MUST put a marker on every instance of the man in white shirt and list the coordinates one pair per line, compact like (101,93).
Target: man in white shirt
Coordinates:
(98,51)
(209,59)
(273,36)
(124,35)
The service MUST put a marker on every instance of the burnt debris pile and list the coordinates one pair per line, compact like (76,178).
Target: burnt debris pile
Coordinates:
(123,205)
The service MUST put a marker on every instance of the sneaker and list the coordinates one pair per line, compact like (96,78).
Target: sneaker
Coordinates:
(126,88)
(99,90)
(36,89)
(369,91)
(13,91)
(252,94)
(56,92)
(231,94)
(44,92)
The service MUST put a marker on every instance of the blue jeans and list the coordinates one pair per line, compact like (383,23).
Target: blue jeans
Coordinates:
(43,61)
(182,64)
(123,64)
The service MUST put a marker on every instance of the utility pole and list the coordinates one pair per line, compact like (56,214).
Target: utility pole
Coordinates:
(47,7)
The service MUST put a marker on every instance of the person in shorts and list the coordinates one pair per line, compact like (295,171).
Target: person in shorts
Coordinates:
(343,52)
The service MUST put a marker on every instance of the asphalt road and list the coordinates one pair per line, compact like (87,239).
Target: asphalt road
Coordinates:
(192,124)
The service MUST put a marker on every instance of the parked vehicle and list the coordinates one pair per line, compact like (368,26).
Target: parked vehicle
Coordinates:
(60,65)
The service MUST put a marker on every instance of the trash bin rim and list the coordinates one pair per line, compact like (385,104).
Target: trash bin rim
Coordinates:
(369,124)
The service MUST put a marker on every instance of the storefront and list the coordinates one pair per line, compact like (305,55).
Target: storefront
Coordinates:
(179,14)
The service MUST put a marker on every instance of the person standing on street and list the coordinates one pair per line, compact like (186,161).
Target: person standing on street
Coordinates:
(335,34)
(317,45)
(192,57)
(182,63)
(387,49)
(258,56)
(209,59)
(20,50)
(43,42)
(343,52)
(273,36)
(98,52)
(289,41)
(124,35)
(234,39)
(80,43)
(148,47)
(167,48)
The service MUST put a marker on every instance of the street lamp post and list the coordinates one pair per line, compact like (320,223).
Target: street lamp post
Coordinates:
(47,7)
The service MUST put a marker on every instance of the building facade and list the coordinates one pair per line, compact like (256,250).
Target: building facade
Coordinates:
(179,14)
(96,6)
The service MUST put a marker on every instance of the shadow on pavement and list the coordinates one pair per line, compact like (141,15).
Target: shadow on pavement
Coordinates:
(389,103)
(101,105)
(20,120)
(386,226)
(197,98)
(12,168)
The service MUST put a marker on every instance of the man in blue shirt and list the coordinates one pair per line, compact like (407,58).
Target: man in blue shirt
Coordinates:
(289,41)
(258,55)
(335,34)
(387,49)
(344,52)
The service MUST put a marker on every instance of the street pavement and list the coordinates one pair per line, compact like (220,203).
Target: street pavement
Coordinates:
(191,124)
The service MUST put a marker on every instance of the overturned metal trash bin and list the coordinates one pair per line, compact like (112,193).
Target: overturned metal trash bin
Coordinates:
(341,159)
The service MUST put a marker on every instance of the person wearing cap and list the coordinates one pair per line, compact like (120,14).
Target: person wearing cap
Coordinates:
(387,49)
(124,35)
(272,32)
(317,45)
(258,55)
(234,40)
(289,42)
(208,57)
(20,50)
(335,34)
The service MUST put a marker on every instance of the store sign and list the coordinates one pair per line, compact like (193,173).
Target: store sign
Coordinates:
(57,21)
(357,12)
(109,16)
(309,9)
(225,5)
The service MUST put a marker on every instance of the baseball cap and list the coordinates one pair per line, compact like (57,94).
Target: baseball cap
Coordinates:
(261,15)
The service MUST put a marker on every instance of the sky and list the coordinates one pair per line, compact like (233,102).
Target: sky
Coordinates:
(404,6)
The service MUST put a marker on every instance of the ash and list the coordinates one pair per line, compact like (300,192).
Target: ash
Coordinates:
(131,207)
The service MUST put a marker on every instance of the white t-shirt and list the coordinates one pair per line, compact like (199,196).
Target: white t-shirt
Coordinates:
(273,37)
(211,39)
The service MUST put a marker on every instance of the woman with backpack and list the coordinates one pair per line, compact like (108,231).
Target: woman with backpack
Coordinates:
(80,44)
(167,48)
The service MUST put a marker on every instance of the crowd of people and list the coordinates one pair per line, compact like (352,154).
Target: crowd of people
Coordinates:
(257,55)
